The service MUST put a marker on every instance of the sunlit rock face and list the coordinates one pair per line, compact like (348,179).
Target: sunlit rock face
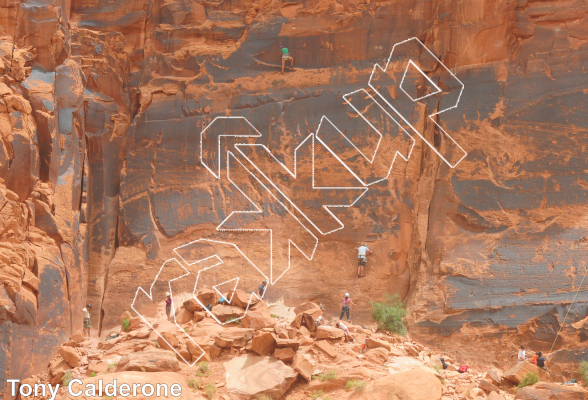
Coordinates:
(102,115)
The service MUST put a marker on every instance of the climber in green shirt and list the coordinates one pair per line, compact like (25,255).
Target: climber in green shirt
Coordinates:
(286,57)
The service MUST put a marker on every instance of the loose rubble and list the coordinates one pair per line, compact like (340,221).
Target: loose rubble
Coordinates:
(286,359)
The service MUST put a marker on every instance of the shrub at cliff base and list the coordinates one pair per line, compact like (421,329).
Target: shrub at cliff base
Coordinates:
(584,372)
(390,314)
(529,379)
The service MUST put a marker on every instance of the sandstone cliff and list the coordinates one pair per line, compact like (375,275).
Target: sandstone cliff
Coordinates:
(102,108)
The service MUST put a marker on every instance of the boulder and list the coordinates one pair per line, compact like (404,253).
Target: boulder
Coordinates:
(183,316)
(57,368)
(396,352)
(70,356)
(183,354)
(258,317)
(493,377)
(72,343)
(130,346)
(303,366)
(414,384)
(142,333)
(225,313)
(306,306)
(516,373)
(304,331)
(130,378)
(291,343)
(151,360)
(326,348)
(208,296)
(133,322)
(126,316)
(329,332)
(488,386)
(207,345)
(285,354)
(234,337)
(264,344)
(167,341)
(252,376)
(198,316)
(208,328)
(377,356)
(77,337)
(373,343)
(411,350)
(549,391)
(239,298)
(307,319)
(192,305)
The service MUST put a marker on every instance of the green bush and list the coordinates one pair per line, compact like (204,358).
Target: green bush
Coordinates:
(316,394)
(325,376)
(92,374)
(355,384)
(126,324)
(203,369)
(529,379)
(194,384)
(66,378)
(584,372)
(209,390)
(390,314)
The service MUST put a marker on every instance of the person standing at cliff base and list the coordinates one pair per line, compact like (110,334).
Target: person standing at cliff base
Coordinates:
(541,360)
(261,289)
(87,322)
(522,356)
(285,57)
(168,303)
(362,252)
(346,304)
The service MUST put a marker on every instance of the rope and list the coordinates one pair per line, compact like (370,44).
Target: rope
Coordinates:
(573,301)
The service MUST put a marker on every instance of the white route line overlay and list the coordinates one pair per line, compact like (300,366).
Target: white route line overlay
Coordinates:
(294,175)
(219,262)
(150,296)
(441,110)
(326,207)
(221,227)
(345,97)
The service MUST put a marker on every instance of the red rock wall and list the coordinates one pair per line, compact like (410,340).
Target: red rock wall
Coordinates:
(104,103)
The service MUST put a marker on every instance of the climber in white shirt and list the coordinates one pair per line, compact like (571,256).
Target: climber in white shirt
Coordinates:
(362,252)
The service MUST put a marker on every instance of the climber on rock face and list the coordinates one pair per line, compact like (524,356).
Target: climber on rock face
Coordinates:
(362,252)
(285,57)
(87,324)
